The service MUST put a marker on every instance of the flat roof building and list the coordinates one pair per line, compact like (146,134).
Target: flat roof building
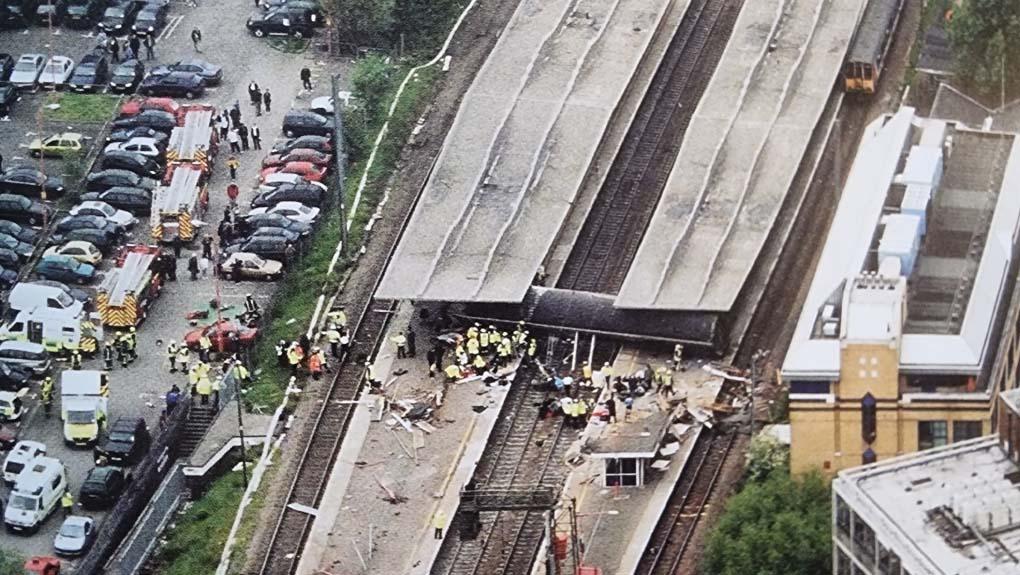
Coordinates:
(897,347)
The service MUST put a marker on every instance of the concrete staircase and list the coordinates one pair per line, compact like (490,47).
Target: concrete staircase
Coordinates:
(199,420)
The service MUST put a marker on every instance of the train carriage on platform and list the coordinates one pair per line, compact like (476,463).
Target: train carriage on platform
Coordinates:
(866,56)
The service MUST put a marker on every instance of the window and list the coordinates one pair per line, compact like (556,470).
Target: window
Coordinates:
(888,561)
(869,418)
(964,430)
(842,563)
(932,434)
(622,472)
(864,541)
(842,518)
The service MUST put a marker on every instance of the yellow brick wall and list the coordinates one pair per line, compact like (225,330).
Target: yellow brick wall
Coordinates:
(869,368)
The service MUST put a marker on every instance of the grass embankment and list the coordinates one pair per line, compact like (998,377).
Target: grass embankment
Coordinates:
(80,108)
(299,291)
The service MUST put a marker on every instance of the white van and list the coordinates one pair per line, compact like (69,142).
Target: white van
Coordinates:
(29,296)
(58,330)
(24,452)
(36,495)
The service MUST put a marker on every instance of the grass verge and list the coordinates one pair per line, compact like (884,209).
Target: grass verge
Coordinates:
(249,523)
(80,108)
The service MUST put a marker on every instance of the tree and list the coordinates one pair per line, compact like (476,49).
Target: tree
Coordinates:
(424,24)
(370,82)
(363,22)
(985,36)
(765,457)
(778,527)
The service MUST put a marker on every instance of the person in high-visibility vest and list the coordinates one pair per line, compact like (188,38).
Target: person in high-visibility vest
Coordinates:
(316,362)
(478,364)
(400,340)
(108,355)
(472,331)
(216,392)
(193,379)
(472,346)
(183,358)
(294,356)
(439,523)
(75,359)
(204,387)
(483,340)
(586,372)
(333,337)
(532,348)
(453,372)
(46,395)
(67,502)
(204,347)
(338,317)
(171,354)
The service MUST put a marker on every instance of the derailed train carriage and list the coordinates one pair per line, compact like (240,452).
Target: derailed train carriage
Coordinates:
(870,45)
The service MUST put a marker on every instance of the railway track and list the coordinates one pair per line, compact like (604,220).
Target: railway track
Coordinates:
(686,505)
(309,482)
(623,207)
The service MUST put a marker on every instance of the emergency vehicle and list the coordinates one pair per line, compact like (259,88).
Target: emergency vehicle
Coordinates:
(58,330)
(176,207)
(130,288)
(194,143)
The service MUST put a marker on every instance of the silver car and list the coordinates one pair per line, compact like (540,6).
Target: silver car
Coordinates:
(27,70)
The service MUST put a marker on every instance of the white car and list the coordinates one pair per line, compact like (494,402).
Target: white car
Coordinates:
(11,406)
(104,210)
(26,71)
(293,210)
(23,453)
(57,71)
(275,179)
(323,106)
(138,145)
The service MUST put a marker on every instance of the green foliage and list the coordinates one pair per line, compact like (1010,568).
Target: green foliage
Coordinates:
(424,24)
(363,22)
(12,562)
(766,457)
(372,85)
(985,35)
(84,108)
(779,527)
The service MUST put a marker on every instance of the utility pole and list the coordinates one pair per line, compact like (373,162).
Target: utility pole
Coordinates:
(340,159)
(240,426)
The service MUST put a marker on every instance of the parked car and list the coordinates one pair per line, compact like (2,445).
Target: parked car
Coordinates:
(300,123)
(270,248)
(271,232)
(102,239)
(84,252)
(50,12)
(8,97)
(20,209)
(133,162)
(323,106)
(82,14)
(138,105)
(9,258)
(90,74)
(210,73)
(76,536)
(252,267)
(226,336)
(8,277)
(27,69)
(254,221)
(69,223)
(156,119)
(294,210)
(11,406)
(151,19)
(278,179)
(24,234)
(280,23)
(322,144)
(125,443)
(98,209)
(14,377)
(65,268)
(16,13)
(178,84)
(137,201)
(105,179)
(297,155)
(150,147)
(19,247)
(306,170)
(102,487)
(57,145)
(125,134)
(77,293)
(127,76)
(28,181)
(57,72)
(6,66)
(308,195)
(118,18)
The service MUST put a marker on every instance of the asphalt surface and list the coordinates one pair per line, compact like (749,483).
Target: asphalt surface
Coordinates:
(139,389)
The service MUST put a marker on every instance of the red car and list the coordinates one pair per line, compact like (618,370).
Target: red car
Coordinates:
(299,155)
(226,335)
(135,106)
(306,170)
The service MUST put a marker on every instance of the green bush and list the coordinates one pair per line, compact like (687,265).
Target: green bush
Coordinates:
(765,457)
(985,36)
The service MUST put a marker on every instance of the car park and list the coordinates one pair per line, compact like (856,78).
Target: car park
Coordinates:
(102,239)
(279,23)
(150,147)
(126,134)
(210,73)
(278,179)
(25,180)
(226,336)
(297,155)
(23,453)
(76,535)
(306,170)
(101,488)
(19,231)
(135,163)
(69,223)
(57,145)
(250,267)
(90,74)
(12,243)
(178,84)
(105,179)
(17,13)
(65,268)
(118,18)
(310,196)
(151,19)
(26,354)
(57,72)
(20,209)
(120,218)
(270,248)
(322,144)
(8,97)
(296,211)
(27,69)
(6,66)
(8,277)
(9,259)
(254,221)
(50,12)
(36,493)
(11,406)
(126,76)
(137,201)
(79,250)
(156,119)
(300,123)
(83,14)
(323,106)
(14,377)
(125,443)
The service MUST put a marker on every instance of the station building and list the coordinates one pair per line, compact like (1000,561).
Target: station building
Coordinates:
(909,330)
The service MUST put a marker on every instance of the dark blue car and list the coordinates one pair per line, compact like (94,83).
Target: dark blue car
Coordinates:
(65,269)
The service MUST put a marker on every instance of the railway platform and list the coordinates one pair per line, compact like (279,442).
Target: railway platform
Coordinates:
(615,524)
(388,482)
